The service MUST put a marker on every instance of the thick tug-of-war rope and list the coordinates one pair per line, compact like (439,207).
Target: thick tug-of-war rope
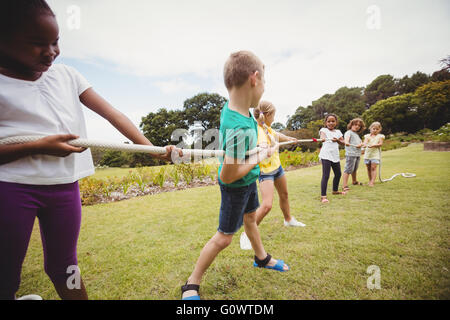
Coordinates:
(87,143)
(403,174)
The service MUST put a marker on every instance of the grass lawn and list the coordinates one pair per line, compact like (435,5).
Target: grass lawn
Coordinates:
(145,248)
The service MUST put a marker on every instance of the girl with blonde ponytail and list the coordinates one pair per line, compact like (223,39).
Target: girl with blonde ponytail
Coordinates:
(271,172)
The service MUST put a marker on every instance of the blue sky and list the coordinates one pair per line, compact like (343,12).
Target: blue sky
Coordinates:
(142,55)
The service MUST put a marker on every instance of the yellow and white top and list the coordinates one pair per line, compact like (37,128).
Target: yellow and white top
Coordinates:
(273,163)
(373,153)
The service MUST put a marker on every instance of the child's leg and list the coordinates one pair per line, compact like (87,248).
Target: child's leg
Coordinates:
(252,231)
(209,252)
(349,162)
(18,211)
(281,186)
(60,223)
(266,188)
(232,208)
(337,175)
(345,177)
(354,178)
(355,170)
(326,167)
(369,172)
(373,172)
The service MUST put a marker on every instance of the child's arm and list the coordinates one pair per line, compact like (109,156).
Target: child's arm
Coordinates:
(323,136)
(378,144)
(366,141)
(96,103)
(339,141)
(232,171)
(52,145)
(347,140)
(283,137)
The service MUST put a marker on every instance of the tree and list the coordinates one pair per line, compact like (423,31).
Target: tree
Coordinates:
(320,106)
(347,104)
(300,118)
(277,126)
(408,85)
(159,126)
(204,107)
(315,126)
(113,158)
(445,63)
(433,100)
(382,87)
(396,114)
(441,75)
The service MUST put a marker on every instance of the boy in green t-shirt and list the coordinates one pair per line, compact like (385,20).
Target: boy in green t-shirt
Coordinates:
(244,79)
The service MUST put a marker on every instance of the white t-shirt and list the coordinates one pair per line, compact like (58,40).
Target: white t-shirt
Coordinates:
(330,149)
(47,106)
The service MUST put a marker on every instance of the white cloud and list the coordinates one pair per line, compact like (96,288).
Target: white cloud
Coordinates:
(177,85)
(309,48)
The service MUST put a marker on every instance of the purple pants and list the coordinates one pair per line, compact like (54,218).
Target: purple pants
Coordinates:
(58,208)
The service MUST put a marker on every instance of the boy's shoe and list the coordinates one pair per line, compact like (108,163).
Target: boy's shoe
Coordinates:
(294,223)
(30,297)
(189,287)
(245,242)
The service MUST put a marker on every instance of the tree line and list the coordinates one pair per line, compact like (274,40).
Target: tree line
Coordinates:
(406,104)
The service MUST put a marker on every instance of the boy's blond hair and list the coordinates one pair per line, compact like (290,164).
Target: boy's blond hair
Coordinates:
(239,66)
(376,123)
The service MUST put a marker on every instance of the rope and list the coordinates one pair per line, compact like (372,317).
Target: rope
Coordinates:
(403,174)
(86,143)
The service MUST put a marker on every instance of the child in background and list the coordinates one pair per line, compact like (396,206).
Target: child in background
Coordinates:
(353,145)
(40,179)
(372,156)
(272,173)
(329,155)
(244,80)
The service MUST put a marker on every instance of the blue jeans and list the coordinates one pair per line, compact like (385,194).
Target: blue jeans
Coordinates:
(235,203)
(274,175)
(369,161)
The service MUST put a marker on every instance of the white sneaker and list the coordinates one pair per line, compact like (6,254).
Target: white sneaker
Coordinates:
(294,223)
(30,297)
(245,242)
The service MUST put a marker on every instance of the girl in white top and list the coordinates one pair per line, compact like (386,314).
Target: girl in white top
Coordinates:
(329,155)
(39,179)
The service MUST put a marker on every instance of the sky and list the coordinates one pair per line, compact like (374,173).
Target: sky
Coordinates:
(142,55)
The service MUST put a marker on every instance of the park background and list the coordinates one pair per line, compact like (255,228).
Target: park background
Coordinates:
(161,64)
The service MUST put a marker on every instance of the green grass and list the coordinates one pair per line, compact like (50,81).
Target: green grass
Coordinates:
(145,248)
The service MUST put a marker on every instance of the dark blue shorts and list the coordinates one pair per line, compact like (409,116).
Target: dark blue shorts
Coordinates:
(274,175)
(235,203)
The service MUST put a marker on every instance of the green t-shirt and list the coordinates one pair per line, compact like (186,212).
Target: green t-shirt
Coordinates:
(238,134)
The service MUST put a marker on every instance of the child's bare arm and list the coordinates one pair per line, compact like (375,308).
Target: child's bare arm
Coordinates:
(233,171)
(339,141)
(378,144)
(96,103)
(283,137)
(347,140)
(55,145)
(366,141)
